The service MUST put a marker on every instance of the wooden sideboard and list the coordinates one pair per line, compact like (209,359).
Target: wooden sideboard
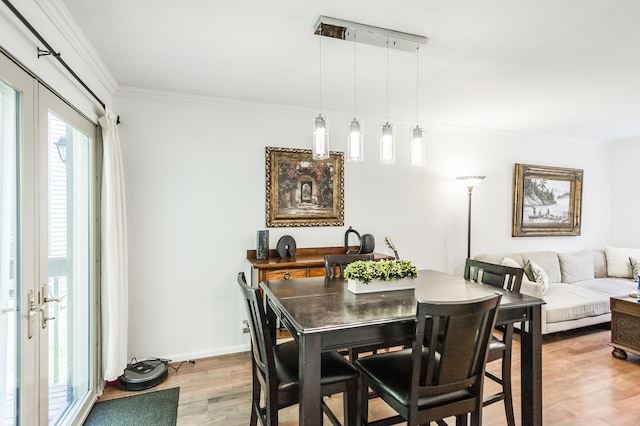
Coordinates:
(308,262)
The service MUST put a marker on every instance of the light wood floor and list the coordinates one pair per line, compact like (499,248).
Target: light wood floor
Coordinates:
(582,385)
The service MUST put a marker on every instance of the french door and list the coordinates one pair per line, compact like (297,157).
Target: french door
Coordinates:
(48,303)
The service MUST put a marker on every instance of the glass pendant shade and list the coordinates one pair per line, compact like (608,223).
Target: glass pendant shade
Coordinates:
(355,149)
(320,139)
(417,147)
(387,145)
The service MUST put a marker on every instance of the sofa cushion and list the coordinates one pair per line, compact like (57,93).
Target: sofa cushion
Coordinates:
(608,286)
(618,264)
(578,266)
(497,258)
(599,264)
(548,260)
(510,261)
(570,302)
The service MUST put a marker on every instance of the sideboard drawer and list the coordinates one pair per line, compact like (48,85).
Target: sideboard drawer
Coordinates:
(317,272)
(285,274)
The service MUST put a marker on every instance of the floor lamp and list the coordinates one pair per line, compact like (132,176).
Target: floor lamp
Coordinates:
(470,182)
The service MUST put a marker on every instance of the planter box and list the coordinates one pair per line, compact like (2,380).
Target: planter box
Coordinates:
(357,287)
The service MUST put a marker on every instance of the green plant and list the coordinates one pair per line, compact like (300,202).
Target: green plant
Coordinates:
(384,270)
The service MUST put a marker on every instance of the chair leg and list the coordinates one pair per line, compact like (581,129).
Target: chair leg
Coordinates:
(362,414)
(255,397)
(350,401)
(506,388)
(461,420)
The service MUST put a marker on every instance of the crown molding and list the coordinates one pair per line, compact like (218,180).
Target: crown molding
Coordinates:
(68,27)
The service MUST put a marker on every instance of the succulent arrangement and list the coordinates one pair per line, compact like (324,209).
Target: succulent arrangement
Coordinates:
(384,270)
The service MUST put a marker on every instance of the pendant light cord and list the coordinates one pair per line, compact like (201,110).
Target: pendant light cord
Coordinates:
(320,69)
(417,84)
(387,79)
(354,74)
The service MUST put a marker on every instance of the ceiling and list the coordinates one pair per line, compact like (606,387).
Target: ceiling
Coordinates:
(569,67)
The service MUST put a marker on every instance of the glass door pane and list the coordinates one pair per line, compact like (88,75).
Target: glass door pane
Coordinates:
(9,285)
(68,289)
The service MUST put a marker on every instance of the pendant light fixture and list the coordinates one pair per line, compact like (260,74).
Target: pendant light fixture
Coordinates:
(341,29)
(355,149)
(417,143)
(320,149)
(387,142)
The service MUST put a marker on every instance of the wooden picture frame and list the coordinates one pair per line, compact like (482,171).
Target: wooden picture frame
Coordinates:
(547,201)
(304,192)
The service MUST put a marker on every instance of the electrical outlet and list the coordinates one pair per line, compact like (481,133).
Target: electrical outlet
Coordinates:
(245,326)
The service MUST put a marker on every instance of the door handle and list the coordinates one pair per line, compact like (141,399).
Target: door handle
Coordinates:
(32,309)
(46,299)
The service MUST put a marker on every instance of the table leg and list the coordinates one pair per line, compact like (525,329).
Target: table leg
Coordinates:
(272,320)
(309,376)
(531,368)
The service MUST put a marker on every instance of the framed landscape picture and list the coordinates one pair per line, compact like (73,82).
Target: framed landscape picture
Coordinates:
(547,201)
(302,191)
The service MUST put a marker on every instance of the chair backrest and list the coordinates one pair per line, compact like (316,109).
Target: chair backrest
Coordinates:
(506,277)
(334,264)
(461,356)
(261,339)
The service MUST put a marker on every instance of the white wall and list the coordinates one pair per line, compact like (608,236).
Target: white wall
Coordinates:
(195,177)
(624,187)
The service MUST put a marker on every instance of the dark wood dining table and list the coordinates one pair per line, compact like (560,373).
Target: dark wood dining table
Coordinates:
(322,315)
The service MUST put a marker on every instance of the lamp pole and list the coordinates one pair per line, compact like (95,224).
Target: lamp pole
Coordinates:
(469,224)
(470,182)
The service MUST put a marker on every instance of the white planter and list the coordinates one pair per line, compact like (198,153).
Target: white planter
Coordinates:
(357,287)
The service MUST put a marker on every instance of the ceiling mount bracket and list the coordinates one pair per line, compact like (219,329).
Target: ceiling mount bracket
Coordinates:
(367,34)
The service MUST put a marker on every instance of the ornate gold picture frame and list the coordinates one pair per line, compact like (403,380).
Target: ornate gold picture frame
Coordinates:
(302,191)
(547,201)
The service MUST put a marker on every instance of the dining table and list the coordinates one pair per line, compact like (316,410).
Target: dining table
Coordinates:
(323,315)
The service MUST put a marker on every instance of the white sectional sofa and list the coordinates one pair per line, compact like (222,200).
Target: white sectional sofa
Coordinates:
(579,284)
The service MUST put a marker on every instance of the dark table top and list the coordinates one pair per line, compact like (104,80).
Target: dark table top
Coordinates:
(321,303)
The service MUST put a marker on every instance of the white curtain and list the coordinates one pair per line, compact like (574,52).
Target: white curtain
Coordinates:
(114,280)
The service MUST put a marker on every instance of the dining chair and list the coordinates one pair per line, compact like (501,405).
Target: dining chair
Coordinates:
(425,384)
(510,279)
(275,369)
(334,264)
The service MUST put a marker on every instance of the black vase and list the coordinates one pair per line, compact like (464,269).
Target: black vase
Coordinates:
(262,251)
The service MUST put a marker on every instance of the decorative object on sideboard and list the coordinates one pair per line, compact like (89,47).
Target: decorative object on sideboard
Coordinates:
(392,246)
(286,246)
(262,249)
(547,201)
(301,191)
(365,244)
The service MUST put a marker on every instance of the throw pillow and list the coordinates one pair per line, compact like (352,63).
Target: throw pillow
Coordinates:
(528,272)
(539,275)
(618,265)
(635,265)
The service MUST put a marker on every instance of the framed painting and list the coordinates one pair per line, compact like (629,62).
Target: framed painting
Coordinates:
(547,201)
(302,191)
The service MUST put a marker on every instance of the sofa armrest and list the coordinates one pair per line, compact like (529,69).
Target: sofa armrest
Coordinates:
(531,289)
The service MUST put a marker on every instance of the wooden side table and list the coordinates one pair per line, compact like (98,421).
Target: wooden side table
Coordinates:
(308,262)
(625,326)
